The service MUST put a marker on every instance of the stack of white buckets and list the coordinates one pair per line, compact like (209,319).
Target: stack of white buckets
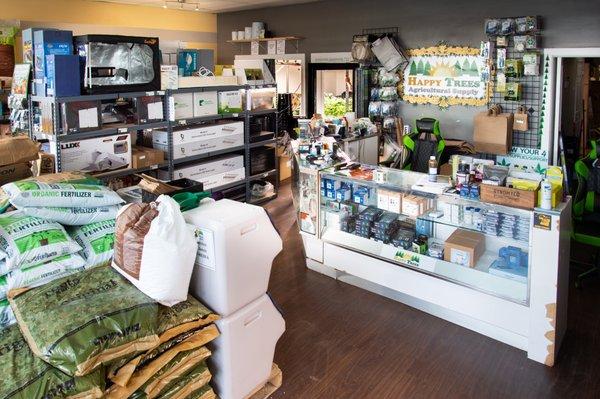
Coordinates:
(237,245)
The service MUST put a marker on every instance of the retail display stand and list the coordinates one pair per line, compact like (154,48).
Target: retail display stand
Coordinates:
(54,131)
(526,310)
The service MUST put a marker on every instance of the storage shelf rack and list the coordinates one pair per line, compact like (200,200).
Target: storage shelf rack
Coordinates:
(169,123)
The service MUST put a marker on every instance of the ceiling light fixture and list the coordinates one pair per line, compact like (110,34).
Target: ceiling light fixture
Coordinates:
(196,9)
(165,5)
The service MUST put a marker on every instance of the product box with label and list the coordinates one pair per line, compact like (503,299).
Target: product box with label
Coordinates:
(81,116)
(259,99)
(169,80)
(143,157)
(47,42)
(230,102)
(149,109)
(205,103)
(14,172)
(207,168)
(44,165)
(97,154)
(62,75)
(184,105)
(464,247)
(513,197)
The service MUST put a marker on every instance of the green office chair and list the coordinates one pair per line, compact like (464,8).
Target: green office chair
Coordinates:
(426,140)
(586,207)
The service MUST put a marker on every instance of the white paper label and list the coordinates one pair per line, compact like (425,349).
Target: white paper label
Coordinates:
(254,48)
(272,47)
(280,46)
(205,256)
(171,108)
(460,257)
(88,118)
(155,110)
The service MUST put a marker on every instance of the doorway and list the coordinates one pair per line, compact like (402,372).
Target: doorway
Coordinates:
(331,89)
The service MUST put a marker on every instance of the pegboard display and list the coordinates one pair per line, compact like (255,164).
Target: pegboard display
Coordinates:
(531,97)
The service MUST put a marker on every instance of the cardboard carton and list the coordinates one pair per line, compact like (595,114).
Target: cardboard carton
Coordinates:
(143,157)
(14,172)
(17,149)
(493,131)
(464,247)
(97,154)
(508,196)
(45,164)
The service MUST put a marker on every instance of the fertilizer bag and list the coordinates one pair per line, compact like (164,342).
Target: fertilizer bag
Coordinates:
(27,241)
(78,322)
(26,193)
(25,376)
(155,249)
(96,240)
(76,216)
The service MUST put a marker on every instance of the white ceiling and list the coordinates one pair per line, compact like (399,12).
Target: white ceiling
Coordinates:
(211,6)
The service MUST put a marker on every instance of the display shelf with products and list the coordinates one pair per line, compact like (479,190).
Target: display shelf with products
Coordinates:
(491,268)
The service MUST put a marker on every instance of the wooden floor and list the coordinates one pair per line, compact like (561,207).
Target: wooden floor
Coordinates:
(344,342)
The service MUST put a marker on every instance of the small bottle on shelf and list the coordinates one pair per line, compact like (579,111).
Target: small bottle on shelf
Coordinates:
(433,169)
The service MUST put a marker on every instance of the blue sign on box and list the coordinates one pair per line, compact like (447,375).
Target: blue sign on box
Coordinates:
(48,42)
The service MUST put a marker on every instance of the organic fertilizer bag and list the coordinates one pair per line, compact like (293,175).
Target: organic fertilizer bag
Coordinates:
(7,316)
(175,369)
(175,324)
(97,241)
(43,273)
(24,376)
(76,216)
(149,365)
(27,241)
(155,249)
(78,322)
(26,193)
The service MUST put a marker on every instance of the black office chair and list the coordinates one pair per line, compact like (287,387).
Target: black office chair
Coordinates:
(425,141)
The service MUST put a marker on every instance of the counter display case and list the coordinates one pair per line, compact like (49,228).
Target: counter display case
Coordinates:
(498,270)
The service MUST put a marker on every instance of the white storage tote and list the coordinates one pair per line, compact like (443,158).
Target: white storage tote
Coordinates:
(243,354)
(236,247)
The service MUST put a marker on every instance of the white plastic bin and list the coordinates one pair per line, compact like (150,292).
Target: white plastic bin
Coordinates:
(236,247)
(243,354)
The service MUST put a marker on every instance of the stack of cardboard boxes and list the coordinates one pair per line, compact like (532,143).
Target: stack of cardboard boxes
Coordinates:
(16,154)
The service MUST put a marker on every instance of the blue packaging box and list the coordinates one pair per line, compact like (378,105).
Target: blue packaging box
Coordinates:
(47,42)
(330,194)
(323,192)
(62,75)
(343,194)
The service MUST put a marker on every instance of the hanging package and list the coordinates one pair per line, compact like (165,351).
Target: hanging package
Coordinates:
(521,119)
(32,193)
(84,320)
(155,249)
(27,241)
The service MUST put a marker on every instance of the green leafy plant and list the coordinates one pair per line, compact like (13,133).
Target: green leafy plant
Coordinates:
(336,106)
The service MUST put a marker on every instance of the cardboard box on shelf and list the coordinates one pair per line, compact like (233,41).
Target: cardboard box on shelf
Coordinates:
(205,169)
(97,154)
(14,172)
(230,102)
(205,103)
(17,149)
(508,196)
(492,131)
(184,105)
(45,164)
(464,247)
(143,157)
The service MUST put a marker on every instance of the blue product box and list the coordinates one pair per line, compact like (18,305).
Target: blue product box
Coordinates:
(330,184)
(423,227)
(323,183)
(361,196)
(464,191)
(323,192)
(474,192)
(47,42)
(343,194)
(62,75)
(187,62)
(330,194)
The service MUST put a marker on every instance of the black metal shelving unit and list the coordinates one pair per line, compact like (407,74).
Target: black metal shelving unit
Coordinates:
(170,123)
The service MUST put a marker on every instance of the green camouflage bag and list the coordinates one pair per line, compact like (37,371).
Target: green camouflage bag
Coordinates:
(196,379)
(24,376)
(78,322)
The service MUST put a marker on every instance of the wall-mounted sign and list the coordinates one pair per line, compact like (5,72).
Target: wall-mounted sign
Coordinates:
(445,76)
(525,159)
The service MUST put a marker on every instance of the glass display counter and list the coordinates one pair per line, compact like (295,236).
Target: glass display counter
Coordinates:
(494,269)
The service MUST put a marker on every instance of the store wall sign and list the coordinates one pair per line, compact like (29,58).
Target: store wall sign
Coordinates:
(525,159)
(445,76)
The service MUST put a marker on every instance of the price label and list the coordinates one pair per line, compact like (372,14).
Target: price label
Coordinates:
(122,130)
(183,122)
